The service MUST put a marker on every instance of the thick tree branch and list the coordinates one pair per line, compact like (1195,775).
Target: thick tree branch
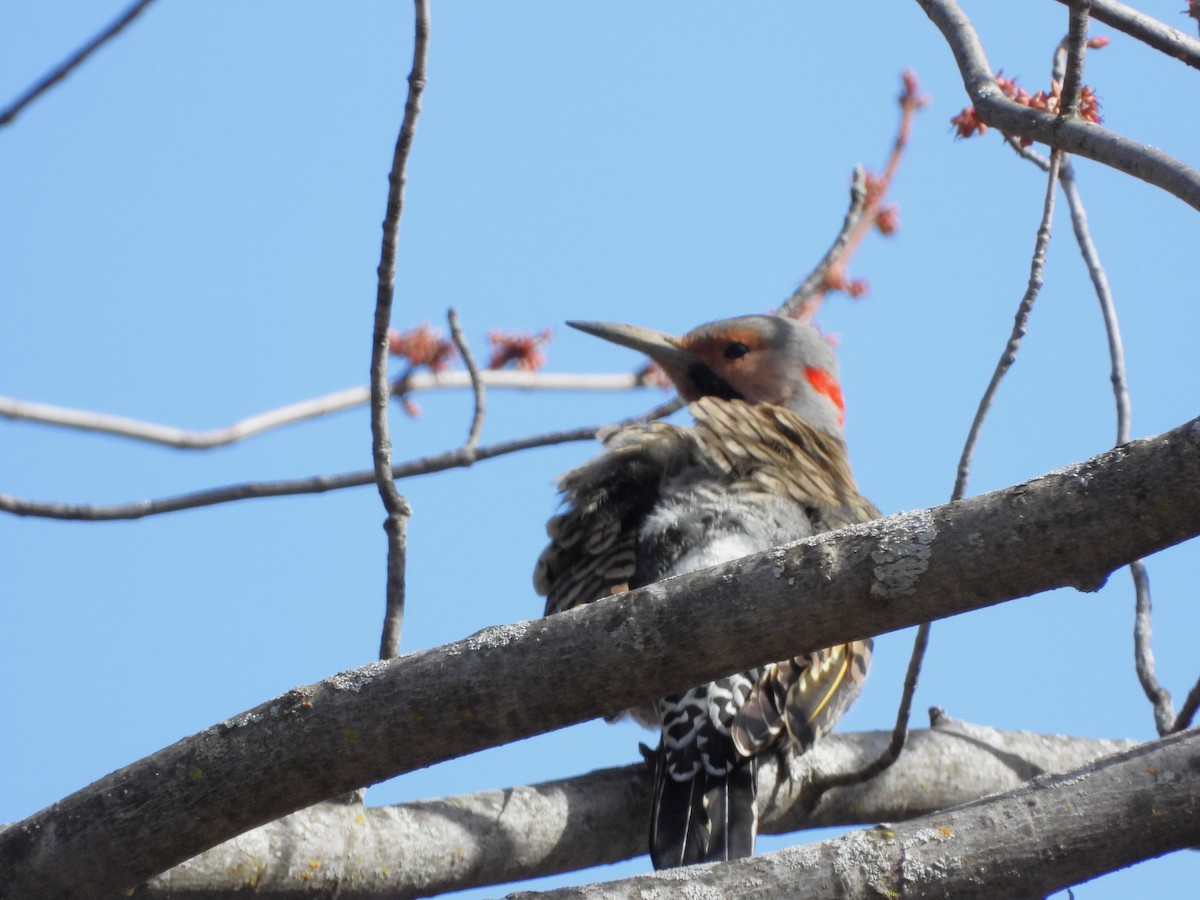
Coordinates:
(1070,134)
(495,837)
(1067,528)
(1039,838)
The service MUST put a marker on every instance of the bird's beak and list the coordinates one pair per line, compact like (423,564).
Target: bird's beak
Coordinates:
(662,348)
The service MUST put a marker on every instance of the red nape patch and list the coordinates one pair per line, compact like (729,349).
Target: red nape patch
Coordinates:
(824,383)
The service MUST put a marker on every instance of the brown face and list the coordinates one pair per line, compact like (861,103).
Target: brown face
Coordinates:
(743,359)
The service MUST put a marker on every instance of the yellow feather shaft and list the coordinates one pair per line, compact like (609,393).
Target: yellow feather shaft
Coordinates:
(833,687)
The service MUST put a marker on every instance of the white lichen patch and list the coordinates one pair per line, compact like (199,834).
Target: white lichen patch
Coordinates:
(915,870)
(496,637)
(356,679)
(917,865)
(903,556)
(860,855)
(922,835)
(240,721)
(803,857)
(662,886)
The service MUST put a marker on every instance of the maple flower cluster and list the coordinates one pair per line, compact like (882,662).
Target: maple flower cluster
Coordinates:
(422,346)
(967,122)
(522,348)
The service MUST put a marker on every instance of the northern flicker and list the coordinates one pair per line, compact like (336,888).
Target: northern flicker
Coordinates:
(764,464)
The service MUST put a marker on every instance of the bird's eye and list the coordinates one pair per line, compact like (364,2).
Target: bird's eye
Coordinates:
(736,350)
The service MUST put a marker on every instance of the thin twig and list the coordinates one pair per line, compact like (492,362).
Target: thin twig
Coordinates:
(659,412)
(1159,697)
(1188,710)
(398,510)
(1108,310)
(338,401)
(1028,153)
(253,490)
(1020,322)
(477,388)
(866,203)
(316,484)
(921,641)
(1076,52)
(1171,41)
(72,62)
(815,282)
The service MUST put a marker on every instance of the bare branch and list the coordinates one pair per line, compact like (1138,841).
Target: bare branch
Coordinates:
(396,526)
(1069,134)
(814,283)
(316,407)
(1055,831)
(1160,36)
(1159,697)
(1020,321)
(659,412)
(1076,47)
(372,723)
(921,641)
(499,836)
(866,211)
(1029,154)
(1108,309)
(477,388)
(317,484)
(398,510)
(72,62)
(1188,711)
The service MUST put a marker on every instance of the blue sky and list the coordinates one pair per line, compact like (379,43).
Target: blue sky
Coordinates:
(190,231)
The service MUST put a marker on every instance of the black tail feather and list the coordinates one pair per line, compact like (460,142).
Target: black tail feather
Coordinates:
(740,811)
(708,818)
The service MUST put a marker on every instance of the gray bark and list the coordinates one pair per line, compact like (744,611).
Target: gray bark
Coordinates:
(1048,834)
(495,837)
(1068,528)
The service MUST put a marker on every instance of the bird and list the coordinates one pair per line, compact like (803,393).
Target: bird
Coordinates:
(764,463)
